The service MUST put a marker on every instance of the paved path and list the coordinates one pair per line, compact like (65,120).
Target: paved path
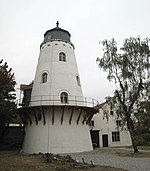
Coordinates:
(108,157)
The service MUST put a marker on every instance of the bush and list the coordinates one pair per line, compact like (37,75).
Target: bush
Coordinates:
(139,140)
(146,137)
(56,158)
(142,139)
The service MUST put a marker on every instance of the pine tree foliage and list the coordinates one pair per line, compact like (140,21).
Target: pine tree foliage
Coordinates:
(7,95)
(130,70)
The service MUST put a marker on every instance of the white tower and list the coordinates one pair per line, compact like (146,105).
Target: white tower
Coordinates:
(57,115)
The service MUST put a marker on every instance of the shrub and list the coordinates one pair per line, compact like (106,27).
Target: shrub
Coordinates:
(56,158)
(142,139)
(146,137)
(139,140)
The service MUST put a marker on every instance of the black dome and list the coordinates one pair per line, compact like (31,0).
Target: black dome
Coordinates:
(57,34)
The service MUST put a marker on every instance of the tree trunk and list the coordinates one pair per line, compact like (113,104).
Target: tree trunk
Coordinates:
(130,126)
(133,142)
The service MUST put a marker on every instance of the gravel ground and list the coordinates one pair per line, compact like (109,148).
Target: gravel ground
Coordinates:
(109,157)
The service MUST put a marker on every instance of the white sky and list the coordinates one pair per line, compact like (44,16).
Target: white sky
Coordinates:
(24,22)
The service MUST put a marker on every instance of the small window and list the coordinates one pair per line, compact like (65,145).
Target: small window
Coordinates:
(91,123)
(49,37)
(62,56)
(111,112)
(115,136)
(44,77)
(78,80)
(64,97)
(118,122)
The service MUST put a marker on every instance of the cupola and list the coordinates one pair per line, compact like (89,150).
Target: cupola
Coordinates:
(57,34)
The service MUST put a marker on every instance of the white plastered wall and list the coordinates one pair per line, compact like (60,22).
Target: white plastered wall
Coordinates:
(107,127)
(61,75)
(57,137)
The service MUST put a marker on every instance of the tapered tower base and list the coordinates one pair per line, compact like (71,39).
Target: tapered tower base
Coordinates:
(56,129)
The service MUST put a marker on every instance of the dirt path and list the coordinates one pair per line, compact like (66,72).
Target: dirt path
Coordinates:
(22,162)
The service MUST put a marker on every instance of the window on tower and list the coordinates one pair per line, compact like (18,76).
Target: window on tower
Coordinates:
(44,77)
(62,56)
(64,97)
(78,80)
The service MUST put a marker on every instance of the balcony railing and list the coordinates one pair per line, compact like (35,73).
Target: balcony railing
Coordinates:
(44,100)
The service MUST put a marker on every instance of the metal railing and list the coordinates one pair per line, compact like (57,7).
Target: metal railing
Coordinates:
(45,100)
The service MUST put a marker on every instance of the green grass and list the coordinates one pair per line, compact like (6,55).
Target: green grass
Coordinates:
(144,147)
(140,147)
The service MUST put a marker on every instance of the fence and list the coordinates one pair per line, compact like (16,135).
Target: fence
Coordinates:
(57,100)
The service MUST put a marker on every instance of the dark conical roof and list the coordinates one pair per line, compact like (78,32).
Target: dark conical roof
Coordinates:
(57,34)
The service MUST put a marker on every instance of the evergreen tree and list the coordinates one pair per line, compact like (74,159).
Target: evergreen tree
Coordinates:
(130,70)
(7,96)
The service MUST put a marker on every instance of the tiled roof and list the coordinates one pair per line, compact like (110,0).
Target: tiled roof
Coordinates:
(99,106)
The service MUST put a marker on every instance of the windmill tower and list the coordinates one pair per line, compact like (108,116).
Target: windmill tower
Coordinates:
(56,114)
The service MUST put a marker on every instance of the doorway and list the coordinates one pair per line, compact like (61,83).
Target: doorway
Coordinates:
(105,140)
(95,138)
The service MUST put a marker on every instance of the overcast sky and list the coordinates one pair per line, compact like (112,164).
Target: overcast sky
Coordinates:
(24,22)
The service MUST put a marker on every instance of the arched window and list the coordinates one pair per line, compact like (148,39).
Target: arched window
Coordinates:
(78,80)
(62,56)
(64,97)
(44,77)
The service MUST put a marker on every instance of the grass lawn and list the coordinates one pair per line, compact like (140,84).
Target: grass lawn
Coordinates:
(140,147)
(144,147)
(144,152)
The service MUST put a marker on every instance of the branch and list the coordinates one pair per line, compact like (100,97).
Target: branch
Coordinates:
(136,94)
(121,85)
(122,103)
